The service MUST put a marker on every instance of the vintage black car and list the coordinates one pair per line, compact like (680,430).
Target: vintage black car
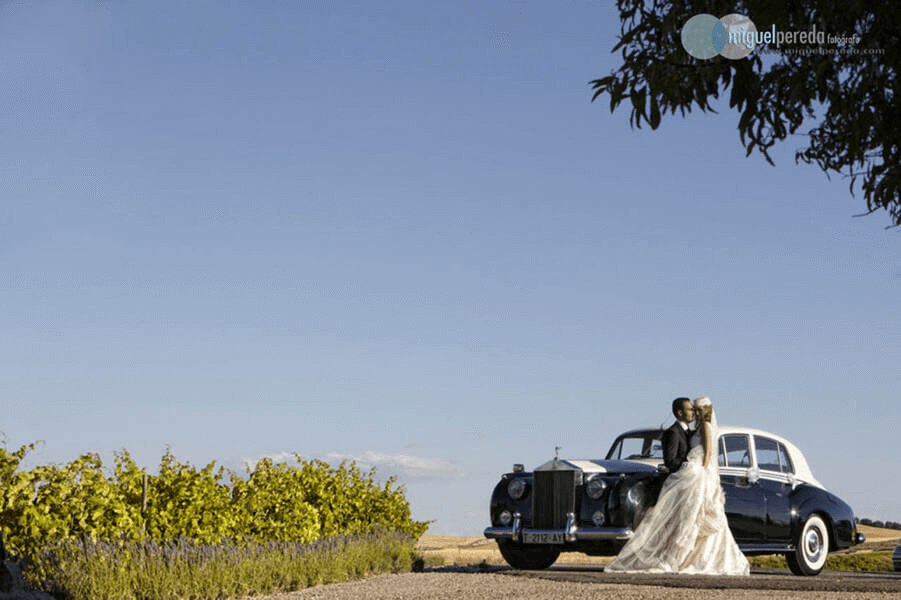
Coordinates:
(774,504)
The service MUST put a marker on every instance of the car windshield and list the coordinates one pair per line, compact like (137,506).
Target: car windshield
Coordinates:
(637,445)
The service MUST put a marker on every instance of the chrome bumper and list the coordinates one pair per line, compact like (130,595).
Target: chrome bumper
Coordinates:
(571,532)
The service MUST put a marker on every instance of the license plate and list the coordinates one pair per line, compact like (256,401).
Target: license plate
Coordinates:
(543,537)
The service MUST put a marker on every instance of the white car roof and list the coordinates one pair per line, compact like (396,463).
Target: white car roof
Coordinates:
(802,469)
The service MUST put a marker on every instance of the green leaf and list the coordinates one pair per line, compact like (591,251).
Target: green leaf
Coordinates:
(655,112)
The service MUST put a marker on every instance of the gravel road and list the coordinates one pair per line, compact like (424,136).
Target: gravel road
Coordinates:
(574,585)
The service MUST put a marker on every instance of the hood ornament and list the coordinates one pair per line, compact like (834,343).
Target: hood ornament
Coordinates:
(556,454)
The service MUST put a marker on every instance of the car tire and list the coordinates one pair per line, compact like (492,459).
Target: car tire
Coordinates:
(811,548)
(529,557)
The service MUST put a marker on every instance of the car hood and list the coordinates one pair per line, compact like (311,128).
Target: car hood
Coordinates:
(596,466)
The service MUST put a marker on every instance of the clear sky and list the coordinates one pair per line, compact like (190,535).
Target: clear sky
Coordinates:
(400,232)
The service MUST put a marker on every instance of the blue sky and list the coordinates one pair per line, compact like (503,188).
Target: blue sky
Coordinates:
(401,233)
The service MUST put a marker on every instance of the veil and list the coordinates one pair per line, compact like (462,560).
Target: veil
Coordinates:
(714,427)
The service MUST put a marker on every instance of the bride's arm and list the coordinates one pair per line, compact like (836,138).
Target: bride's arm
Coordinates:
(708,445)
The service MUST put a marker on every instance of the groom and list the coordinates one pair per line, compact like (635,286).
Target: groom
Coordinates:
(675,439)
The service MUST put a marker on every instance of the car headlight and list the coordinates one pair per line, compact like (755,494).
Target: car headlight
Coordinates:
(516,488)
(636,495)
(505,518)
(596,488)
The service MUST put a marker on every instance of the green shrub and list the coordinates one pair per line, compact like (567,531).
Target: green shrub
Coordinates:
(273,505)
(857,561)
(302,502)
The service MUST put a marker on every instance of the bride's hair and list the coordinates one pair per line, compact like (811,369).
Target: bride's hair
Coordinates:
(704,407)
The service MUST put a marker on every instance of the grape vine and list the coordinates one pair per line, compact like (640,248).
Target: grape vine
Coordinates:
(302,502)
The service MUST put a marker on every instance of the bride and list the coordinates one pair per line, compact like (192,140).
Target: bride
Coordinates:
(686,531)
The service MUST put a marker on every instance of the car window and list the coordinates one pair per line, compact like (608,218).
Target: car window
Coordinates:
(628,448)
(735,448)
(772,455)
(767,454)
(784,460)
(615,450)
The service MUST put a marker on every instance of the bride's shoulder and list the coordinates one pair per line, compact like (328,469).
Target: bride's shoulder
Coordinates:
(703,430)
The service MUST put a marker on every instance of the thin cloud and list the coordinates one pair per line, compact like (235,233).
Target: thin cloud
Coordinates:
(403,465)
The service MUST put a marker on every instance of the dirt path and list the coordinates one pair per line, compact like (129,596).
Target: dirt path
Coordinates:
(500,586)
(450,575)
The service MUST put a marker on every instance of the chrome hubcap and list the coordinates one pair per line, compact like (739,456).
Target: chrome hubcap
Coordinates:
(813,544)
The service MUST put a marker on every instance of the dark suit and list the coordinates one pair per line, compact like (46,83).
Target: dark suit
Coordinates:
(675,447)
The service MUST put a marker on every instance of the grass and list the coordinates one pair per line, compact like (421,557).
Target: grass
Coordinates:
(859,561)
(86,570)
(434,561)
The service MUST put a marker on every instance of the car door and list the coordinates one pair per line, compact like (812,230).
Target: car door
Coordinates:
(745,497)
(776,480)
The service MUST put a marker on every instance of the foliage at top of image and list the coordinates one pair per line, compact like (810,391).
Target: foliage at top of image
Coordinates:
(302,502)
(846,104)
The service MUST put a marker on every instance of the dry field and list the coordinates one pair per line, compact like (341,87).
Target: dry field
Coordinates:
(473,550)
(877,539)
(878,534)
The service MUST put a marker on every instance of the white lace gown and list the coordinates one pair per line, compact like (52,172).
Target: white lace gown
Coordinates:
(686,531)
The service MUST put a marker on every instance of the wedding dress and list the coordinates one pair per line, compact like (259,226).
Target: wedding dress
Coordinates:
(686,531)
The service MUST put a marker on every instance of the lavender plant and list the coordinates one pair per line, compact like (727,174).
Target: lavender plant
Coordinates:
(184,568)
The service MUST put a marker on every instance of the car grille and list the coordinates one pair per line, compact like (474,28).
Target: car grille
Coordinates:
(554,496)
